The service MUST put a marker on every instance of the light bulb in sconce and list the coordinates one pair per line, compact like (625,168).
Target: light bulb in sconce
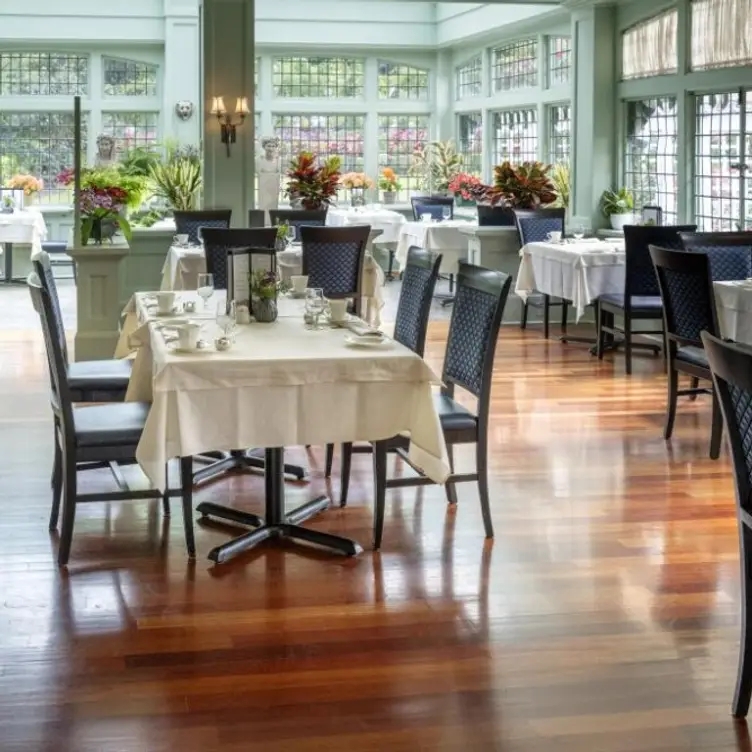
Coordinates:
(218,106)
(241,107)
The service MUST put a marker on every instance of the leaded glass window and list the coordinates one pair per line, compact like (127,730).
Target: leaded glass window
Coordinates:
(559,133)
(324,77)
(129,78)
(515,66)
(131,129)
(44,74)
(402,82)
(469,78)
(470,141)
(559,60)
(398,137)
(515,136)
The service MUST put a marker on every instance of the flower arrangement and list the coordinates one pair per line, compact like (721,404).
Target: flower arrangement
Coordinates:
(266,285)
(463,184)
(26,183)
(436,164)
(103,211)
(356,180)
(313,185)
(389,180)
(132,188)
(526,186)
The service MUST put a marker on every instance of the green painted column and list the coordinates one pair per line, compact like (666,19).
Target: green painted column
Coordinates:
(595,125)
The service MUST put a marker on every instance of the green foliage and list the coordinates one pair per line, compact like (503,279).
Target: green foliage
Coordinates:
(435,165)
(138,161)
(177,181)
(524,186)
(314,185)
(561,176)
(135,186)
(87,224)
(617,202)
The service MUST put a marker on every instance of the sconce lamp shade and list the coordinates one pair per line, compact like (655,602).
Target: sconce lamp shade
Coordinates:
(218,106)
(241,107)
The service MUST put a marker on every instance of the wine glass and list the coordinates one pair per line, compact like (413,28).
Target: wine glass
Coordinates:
(315,305)
(226,317)
(199,235)
(446,213)
(291,235)
(578,231)
(205,288)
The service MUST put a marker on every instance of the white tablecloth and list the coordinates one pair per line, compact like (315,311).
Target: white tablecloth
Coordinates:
(438,237)
(578,271)
(25,227)
(733,302)
(281,385)
(386,220)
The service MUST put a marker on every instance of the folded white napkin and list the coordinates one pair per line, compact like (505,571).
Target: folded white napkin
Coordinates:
(361,329)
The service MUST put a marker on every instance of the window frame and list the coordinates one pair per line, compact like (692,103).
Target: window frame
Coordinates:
(459,84)
(411,67)
(82,89)
(361,86)
(156,85)
(495,78)
(496,158)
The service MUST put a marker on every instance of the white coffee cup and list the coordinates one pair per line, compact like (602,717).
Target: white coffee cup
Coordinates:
(181,239)
(337,311)
(188,335)
(299,282)
(165,301)
(555,236)
(427,218)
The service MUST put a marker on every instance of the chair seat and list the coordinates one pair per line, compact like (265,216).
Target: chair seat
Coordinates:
(99,375)
(53,247)
(118,424)
(453,416)
(639,302)
(694,355)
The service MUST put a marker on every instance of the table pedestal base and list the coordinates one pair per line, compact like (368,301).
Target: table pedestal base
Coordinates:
(251,459)
(9,279)
(277,524)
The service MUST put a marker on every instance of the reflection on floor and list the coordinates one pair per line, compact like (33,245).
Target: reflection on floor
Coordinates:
(603,618)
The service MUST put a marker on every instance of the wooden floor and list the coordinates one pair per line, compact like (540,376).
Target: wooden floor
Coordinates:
(603,618)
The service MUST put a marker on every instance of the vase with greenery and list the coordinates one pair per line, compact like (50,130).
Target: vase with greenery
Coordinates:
(283,230)
(464,188)
(435,165)
(102,214)
(8,206)
(524,186)
(357,183)
(311,184)
(177,178)
(265,286)
(389,184)
(618,207)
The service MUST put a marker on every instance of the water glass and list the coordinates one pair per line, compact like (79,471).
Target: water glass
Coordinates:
(205,288)
(446,213)
(227,317)
(291,235)
(315,304)
(578,231)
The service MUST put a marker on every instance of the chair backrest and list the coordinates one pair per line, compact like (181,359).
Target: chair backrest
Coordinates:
(495,216)
(298,218)
(41,263)
(533,225)
(189,222)
(433,205)
(219,245)
(686,289)
(731,366)
(256,218)
(333,259)
(730,253)
(418,282)
(639,277)
(481,295)
(62,402)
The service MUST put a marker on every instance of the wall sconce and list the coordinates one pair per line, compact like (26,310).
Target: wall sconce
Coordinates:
(226,121)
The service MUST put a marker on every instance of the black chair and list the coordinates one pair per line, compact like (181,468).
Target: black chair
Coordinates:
(731,366)
(495,216)
(730,253)
(190,222)
(534,226)
(298,218)
(686,289)
(433,205)
(58,253)
(219,245)
(89,437)
(410,327)
(333,260)
(641,299)
(256,218)
(468,363)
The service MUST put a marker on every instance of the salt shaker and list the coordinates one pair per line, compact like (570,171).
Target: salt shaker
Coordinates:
(242,314)
(189,306)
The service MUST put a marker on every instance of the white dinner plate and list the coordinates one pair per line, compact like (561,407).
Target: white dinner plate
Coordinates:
(372,343)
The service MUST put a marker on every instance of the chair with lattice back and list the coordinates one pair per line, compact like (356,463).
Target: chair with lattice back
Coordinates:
(297,218)
(191,222)
(686,290)
(730,253)
(433,205)
(221,244)
(731,366)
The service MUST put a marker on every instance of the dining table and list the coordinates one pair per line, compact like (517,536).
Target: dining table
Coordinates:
(387,221)
(22,227)
(280,384)
(442,237)
(733,303)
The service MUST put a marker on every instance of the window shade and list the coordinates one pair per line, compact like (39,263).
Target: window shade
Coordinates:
(649,48)
(721,33)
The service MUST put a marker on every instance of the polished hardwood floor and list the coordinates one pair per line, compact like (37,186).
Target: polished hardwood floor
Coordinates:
(604,617)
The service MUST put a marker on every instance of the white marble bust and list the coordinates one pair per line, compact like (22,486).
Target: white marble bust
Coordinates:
(105,149)
(269,174)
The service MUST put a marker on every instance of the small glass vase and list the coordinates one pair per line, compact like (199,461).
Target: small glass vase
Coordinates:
(357,196)
(264,310)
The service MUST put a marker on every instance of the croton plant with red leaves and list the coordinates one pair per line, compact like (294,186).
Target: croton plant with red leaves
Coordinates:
(526,186)
(314,185)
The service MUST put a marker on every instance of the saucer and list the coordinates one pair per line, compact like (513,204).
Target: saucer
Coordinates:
(371,343)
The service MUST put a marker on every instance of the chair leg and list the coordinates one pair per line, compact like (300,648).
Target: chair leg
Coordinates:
(451,488)
(546,314)
(379,482)
(673,387)
(451,283)
(345,464)
(481,461)
(627,345)
(694,384)
(390,268)
(57,482)
(564,313)
(743,690)
(186,489)
(600,334)
(716,431)
(329,460)
(523,317)
(75,273)
(166,494)
(69,508)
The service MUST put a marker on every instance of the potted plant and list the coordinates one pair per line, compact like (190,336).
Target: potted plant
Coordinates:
(435,165)
(177,179)
(525,186)
(8,206)
(618,206)
(102,213)
(311,185)
(264,286)
(283,230)
(26,183)
(389,184)
(561,178)
(464,188)
(357,183)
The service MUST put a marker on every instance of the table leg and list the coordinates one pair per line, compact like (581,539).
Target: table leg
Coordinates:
(277,523)
(8,268)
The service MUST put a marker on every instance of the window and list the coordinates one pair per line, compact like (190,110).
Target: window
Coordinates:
(559,60)
(324,135)
(398,137)
(402,82)
(38,143)
(559,133)
(470,141)
(469,79)
(129,78)
(515,136)
(515,66)
(256,69)
(649,47)
(719,141)
(721,33)
(325,77)
(130,129)
(650,156)
(43,74)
